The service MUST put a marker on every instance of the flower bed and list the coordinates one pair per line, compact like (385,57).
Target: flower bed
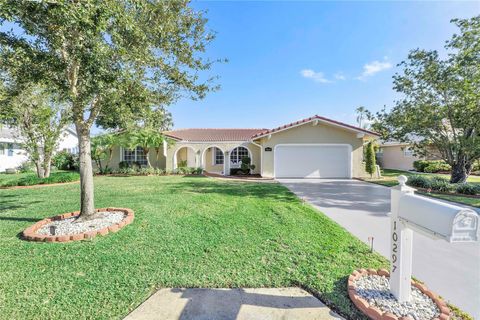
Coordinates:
(374,312)
(32,234)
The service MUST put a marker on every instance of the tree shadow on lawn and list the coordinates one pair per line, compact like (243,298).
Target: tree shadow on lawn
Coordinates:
(12,202)
(239,189)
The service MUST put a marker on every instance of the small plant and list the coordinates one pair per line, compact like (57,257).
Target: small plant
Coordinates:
(26,166)
(182,164)
(246,166)
(468,188)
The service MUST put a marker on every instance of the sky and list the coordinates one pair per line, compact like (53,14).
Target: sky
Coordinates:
(292,60)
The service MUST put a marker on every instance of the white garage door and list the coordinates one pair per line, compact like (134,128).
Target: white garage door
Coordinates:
(312,161)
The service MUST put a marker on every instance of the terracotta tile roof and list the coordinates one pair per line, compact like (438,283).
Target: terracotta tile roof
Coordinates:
(315,117)
(213,134)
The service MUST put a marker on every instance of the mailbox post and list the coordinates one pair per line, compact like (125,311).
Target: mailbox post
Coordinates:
(435,219)
(401,245)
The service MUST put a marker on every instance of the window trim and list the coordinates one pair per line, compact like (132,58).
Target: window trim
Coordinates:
(122,155)
(215,153)
(238,160)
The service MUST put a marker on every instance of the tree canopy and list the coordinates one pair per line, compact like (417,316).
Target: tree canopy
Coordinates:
(440,106)
(113,61)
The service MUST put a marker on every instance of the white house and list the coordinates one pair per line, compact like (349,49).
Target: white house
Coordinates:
(12,155)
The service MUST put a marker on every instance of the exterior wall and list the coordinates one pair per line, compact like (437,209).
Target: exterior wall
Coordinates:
(203,156)
(308,133)
(117,156)
(12,161)
(69,142)
(393,157)
(208,162)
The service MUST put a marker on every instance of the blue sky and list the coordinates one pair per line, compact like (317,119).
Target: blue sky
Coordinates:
(290,60)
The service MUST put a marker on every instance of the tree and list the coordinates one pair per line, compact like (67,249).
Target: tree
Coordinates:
(107,57)
(363,117)
(40,119)
(440,108)
(370,161)
(145,138)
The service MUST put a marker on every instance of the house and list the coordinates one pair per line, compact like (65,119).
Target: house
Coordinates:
(12,155)
(316,147)
(400,155)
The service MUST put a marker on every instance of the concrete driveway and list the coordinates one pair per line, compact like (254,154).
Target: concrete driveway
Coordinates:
(451,270)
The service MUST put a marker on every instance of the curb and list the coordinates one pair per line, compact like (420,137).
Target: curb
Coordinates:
(30,234)
(376,314)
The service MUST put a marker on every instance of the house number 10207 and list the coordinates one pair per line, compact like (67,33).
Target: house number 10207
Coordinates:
(394,246)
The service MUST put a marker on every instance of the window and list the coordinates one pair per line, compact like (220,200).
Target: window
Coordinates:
(408,152)
(135,155)
(238,154)
(2,149)
(217,156)
(10,149)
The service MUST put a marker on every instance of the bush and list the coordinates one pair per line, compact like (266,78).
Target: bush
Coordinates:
(419,182)
(123,165)
(431,166)
(441,184)
(437,166)
(64,160)
(235,171)
(246,166)
(26,166)
(31,179)
(468,188)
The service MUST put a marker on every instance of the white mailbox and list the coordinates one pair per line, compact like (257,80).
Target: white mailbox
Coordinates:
(438,219)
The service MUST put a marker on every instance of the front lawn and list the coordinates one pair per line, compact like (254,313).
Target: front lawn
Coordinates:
(389,179)
(188,232)
(30,178)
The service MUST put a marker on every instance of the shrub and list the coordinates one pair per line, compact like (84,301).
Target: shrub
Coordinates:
(235,171)
(468,188)
(182,164)
(246,165)
(123,165)
(370,162)
(437,166)
(26,166)
(419,182)
(441,184)
(64,160)
(420,165)
(431,166)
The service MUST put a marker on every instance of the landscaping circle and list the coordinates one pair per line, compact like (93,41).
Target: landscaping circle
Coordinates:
(370,292)
(65,227)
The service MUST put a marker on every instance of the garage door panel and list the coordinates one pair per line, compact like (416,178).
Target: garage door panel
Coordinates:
(312,161)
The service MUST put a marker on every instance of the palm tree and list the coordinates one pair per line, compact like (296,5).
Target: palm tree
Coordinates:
(362,115)
(147,139)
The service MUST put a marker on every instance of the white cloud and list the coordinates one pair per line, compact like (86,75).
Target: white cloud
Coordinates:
(339,76)
(374,67)
(315,76)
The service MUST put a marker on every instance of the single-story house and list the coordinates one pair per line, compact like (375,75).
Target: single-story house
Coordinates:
(316,147)
(12,155)
(400,155)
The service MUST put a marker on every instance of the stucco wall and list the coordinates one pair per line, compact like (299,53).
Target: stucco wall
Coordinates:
(203,154)
(393,157)
(117,157)
(308,133)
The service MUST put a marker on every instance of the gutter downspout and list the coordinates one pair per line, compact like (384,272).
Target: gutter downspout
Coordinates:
(261,156)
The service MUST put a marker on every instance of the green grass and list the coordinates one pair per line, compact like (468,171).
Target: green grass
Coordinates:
(187,232)
(389,179)
(30,178)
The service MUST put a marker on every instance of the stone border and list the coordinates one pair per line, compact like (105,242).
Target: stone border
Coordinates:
(30,233)
(376,314)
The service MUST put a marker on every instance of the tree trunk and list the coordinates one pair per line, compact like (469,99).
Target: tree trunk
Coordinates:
(40,172)
(147,154)
(460,171)
(47,165)
(87,207)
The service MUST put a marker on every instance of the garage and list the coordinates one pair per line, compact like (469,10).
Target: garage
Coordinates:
(313,161)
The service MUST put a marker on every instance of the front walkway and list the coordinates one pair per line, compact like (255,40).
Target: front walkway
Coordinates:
(229,304)
(451,270)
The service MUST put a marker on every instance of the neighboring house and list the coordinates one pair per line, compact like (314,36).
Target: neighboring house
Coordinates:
(12,155)
(315,147)
(399,155)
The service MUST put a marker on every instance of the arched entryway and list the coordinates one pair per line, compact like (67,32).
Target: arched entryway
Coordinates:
(185,157)
(236,155)
(213,159)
